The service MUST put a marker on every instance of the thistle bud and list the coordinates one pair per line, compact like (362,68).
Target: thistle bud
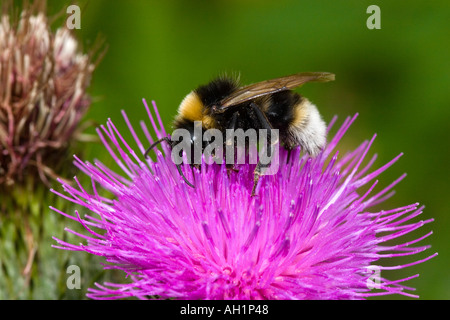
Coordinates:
(43,81)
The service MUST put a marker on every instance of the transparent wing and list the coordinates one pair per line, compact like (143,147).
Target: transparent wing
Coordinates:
(263,88)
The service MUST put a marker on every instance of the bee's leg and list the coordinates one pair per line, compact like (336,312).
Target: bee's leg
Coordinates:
(256,175)
(265,124)
(260,168)
(289,150)
(170,142)
(230,166)
(262,119)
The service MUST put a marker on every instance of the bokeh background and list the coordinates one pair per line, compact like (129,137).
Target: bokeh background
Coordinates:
(397,79)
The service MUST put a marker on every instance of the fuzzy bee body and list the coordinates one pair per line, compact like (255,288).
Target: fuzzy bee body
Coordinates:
(223,104)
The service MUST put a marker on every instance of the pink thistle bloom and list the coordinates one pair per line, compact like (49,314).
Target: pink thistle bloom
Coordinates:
(308,234)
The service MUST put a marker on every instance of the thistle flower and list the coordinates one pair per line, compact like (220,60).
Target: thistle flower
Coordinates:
(43,81)
(308,234)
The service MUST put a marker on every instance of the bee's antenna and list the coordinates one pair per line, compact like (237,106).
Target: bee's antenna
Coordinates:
(154,144)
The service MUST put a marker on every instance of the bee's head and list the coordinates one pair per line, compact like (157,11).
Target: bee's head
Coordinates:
(191,137)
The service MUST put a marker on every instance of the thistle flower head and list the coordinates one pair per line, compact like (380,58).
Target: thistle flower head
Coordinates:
(308,234)
(43,79)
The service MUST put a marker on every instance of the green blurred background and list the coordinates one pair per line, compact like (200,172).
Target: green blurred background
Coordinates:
(397,79)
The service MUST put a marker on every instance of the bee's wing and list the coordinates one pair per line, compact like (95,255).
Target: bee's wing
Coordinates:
(271,86)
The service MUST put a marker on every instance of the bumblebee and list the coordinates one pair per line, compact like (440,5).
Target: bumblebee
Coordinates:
(224,104)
